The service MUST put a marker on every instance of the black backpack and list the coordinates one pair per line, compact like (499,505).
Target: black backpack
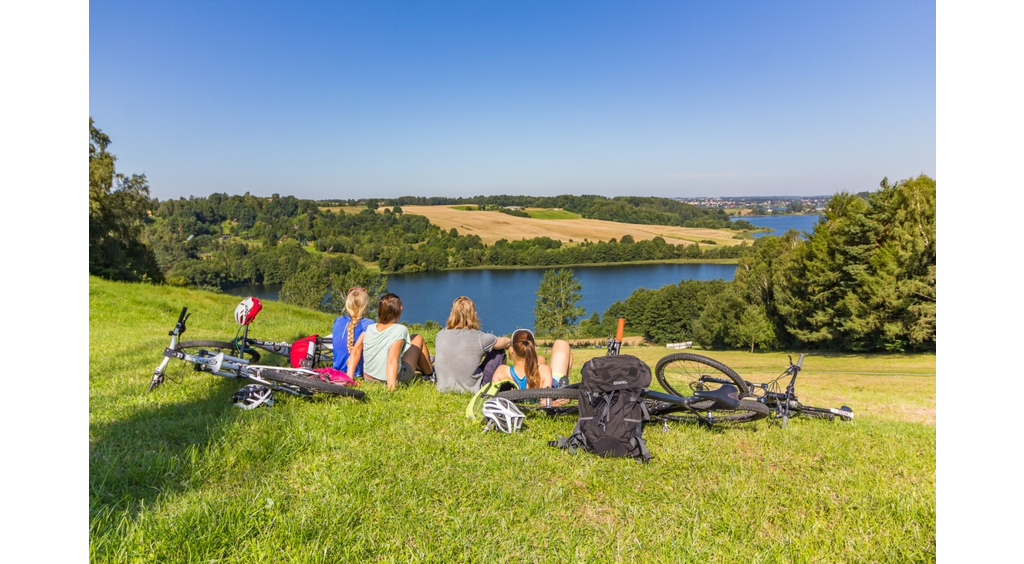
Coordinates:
(612,411)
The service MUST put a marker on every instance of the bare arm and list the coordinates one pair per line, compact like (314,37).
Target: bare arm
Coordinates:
(502,343)
(394,357)
(355,355)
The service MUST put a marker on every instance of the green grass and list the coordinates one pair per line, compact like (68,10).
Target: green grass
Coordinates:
(552,214)
(180,475)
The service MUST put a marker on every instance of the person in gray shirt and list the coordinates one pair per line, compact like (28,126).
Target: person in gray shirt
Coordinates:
(466,357)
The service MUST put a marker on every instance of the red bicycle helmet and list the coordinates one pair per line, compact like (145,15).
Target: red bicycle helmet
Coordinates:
(247,310)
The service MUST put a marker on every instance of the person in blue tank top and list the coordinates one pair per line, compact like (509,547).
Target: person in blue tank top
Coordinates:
(348,333)
(529,370)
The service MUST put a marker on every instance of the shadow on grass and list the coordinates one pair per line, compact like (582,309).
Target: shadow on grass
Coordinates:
(155,451)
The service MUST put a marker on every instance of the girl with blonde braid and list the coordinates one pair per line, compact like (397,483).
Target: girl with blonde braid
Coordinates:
(348,333)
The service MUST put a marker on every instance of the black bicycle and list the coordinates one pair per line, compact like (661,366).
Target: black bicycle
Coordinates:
(696,373)
(297,381)
(710,407)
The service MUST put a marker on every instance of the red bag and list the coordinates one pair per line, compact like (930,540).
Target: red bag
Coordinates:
(304,352)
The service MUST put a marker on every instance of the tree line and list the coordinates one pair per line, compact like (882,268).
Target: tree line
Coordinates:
(864,280)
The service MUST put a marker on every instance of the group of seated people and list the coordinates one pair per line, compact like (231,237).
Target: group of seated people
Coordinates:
(466,357)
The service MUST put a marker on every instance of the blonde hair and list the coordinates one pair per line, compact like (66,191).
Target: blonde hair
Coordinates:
(463,315)
(524,347)
(355,304)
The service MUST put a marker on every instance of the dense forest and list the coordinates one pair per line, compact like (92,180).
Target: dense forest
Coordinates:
(222,240)
(865,280)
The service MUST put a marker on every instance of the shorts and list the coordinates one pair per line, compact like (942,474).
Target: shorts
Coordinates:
(405,374)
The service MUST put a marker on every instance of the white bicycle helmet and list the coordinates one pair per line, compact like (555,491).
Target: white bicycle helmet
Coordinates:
(253,396)
(502,414)
(247,310)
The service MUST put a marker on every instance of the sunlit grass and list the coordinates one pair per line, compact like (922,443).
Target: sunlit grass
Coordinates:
(544,213)
(180,475)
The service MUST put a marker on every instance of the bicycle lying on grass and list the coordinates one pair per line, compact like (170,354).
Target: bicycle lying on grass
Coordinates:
(709,407)
(721,404)
(245,346)
(297,381)
(688,371)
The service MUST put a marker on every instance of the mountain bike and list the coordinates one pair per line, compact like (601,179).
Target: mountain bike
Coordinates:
(245,346)
(718,404)
(688,371)
(709,407)
(297,381)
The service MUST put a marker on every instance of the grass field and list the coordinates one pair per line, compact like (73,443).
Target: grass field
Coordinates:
(541,213)
(181,476)
(491,226)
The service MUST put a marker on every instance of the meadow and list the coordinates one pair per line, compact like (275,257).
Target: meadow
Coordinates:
(180,475)
(564,226)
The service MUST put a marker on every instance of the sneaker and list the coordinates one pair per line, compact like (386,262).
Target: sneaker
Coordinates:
(431,360)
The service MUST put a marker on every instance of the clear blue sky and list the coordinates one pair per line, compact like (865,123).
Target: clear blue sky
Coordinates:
(349,99)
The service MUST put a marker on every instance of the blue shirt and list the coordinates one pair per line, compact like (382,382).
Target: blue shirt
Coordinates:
(340,339)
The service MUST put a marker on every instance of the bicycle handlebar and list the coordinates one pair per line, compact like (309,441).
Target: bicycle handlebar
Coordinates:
(181,317)
(800,360)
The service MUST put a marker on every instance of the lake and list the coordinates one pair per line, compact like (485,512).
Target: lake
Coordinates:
(505,298)
(781,223)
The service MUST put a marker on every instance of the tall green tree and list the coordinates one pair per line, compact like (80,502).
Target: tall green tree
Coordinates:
(556,312)
(754,328)
(118,208)
(865,279)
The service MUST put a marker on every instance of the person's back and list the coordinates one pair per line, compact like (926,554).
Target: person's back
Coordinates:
(466,356)
(348,331)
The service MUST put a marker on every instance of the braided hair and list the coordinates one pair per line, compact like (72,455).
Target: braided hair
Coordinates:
(355,305)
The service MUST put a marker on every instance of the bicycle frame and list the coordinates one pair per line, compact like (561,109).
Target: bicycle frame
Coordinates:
(245,343)
(662,405)
(220,364)
(786,404)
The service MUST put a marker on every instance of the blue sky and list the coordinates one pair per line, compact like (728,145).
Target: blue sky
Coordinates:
(349,99)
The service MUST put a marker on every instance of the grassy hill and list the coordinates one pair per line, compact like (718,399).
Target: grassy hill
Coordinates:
(180,475)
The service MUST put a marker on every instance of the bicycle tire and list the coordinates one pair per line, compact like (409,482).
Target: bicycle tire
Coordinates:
(191,347)
(308,382)
(746,412)
(682,374)
(528,399)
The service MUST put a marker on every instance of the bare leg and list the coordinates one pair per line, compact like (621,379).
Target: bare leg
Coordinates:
(561,358)
(418,356)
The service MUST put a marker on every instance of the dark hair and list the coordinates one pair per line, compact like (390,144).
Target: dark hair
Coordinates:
(389,308)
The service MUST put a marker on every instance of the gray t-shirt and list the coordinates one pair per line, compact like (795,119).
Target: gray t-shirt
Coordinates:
(459,353)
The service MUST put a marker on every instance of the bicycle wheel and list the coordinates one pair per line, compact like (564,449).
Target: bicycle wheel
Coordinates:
(563,400)
(193,347)
(311,383)
(682,374)
(745,412)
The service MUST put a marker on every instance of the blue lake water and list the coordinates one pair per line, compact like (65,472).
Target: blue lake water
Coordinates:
(505,298)
(781,223)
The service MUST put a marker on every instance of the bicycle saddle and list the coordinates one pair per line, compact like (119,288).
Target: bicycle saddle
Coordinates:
(726,397)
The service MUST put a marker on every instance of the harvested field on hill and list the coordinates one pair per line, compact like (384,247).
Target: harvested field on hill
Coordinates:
(491,226)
